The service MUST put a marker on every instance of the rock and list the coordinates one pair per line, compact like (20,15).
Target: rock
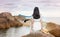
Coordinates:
(50,26)
(38,34)
(20,18)
(54,29)
(4,20)
(7,21)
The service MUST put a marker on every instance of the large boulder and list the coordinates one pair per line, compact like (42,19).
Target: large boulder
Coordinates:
(53,29)
(3,21)
(7,21)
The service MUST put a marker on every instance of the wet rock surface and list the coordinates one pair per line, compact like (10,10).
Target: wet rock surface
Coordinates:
(54,29)
(38,34)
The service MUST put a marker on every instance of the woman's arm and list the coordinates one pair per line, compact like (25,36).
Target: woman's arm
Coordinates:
(32,22)
(41,23)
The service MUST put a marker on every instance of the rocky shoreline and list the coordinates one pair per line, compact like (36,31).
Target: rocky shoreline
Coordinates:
(8,21)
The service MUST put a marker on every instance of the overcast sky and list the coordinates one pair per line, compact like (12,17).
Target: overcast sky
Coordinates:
(48,8)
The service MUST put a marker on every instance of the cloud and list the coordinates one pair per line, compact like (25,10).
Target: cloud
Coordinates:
(48,8)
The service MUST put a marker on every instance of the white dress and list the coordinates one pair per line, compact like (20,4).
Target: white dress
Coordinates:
(37,25)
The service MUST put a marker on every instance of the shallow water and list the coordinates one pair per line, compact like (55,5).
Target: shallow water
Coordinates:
(18,32)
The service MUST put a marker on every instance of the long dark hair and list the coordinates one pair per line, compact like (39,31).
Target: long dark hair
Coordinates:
(36,14)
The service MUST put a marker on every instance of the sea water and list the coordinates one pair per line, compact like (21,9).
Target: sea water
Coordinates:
(18,32)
